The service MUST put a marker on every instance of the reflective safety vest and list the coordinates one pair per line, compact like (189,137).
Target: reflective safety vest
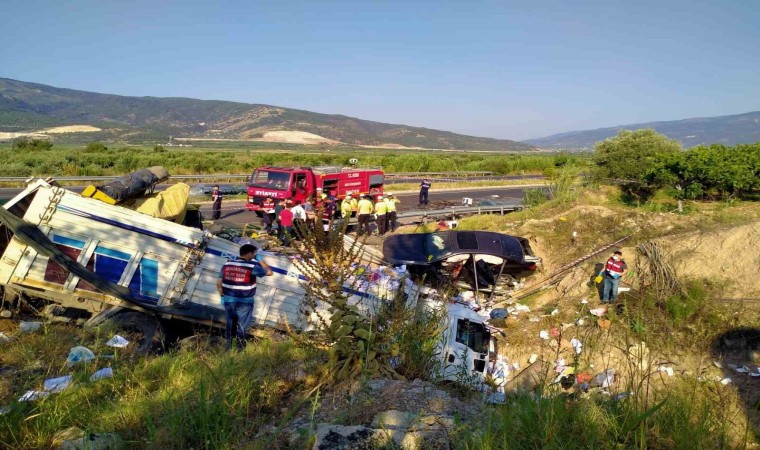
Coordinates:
(381,207)
(615,268)
(345,208)
(239,277)
(390,204)
(364,206)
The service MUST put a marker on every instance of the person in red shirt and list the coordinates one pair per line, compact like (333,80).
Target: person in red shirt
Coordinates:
(286,224)
(613,272)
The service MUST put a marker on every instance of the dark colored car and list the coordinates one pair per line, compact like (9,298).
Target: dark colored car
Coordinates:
(479,258)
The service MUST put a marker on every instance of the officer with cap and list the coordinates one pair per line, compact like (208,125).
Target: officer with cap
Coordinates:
(363,210)
(391,215)
(381,208)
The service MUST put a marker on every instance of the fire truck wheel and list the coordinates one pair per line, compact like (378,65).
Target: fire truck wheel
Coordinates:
(145,330)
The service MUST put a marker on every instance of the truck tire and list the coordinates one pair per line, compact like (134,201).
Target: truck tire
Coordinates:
(146,329)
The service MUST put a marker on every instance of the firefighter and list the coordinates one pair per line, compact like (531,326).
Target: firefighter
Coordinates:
(363,210)
(381,208)
(347,207)
(391,216)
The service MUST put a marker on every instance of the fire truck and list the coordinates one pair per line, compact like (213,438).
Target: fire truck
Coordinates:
(298,183)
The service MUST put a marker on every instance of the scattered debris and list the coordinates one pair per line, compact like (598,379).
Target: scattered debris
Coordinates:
(55,385)
(543,334)
(577,345)
(604,379)
(79,354)
(584,301)
(6,314)
(497,398)
(604,324)
(4,337)
(117,342)
(725,381)
(105,372)
(533,358)
(665,369)
(5,410)
(28,327)
(599,312)
(30,396)
(555,312)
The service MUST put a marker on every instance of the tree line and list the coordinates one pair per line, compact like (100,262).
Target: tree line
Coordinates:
(644,161)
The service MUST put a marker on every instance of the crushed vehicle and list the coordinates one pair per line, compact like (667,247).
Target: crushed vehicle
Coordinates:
(106,262)
(300,183)
(478,260)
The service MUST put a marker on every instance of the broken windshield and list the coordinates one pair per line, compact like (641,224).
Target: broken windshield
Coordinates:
(474,335)
(270,179)
(435,246)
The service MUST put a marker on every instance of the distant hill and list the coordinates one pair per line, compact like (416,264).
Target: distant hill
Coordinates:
(728,130)
(31,107)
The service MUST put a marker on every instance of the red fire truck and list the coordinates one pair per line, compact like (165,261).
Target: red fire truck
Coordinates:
(298,183)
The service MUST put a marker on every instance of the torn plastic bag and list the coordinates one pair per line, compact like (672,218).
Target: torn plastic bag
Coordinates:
(79,354)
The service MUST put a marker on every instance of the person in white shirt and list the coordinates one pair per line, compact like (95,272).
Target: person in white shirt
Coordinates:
(299,218)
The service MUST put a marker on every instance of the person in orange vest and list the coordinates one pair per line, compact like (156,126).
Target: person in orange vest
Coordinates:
(391,215)
(612,273)
(363,210)
(381,209)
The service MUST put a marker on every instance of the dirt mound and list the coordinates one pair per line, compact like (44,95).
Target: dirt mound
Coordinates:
(295,137)
(71,129)
(727,257)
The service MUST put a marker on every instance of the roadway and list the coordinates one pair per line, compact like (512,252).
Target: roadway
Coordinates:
(234,211)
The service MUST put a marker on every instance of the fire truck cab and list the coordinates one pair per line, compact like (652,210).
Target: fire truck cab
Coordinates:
(298,183)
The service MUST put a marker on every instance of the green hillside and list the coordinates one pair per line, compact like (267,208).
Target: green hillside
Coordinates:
(30,106)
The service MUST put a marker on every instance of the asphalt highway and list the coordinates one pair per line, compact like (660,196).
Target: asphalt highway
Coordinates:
(235,212)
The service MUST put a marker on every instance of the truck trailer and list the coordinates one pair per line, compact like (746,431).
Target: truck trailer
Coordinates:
(107,261)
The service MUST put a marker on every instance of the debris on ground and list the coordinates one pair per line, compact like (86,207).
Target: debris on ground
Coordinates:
(79,354)
(117,342)
(105,372)
(30,396)
(55,385)
(28,327)
(604,379)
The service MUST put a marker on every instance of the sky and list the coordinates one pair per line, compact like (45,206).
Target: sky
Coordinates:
(502,69)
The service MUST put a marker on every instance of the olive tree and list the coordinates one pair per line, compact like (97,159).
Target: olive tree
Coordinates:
(631,155)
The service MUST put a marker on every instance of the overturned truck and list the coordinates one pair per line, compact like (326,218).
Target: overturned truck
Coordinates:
(109,262)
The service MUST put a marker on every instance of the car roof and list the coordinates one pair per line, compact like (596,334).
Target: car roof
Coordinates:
(410,248)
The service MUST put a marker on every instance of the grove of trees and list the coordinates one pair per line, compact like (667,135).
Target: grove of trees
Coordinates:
(645,160)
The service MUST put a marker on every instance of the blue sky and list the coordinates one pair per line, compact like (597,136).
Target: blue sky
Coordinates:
(505,69)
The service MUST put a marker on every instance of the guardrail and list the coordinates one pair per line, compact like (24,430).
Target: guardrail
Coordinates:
(243,177)
(502,209)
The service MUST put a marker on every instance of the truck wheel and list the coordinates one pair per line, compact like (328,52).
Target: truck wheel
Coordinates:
(145,330)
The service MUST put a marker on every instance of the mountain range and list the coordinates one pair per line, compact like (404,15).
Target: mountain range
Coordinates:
(728,130)
(36,108)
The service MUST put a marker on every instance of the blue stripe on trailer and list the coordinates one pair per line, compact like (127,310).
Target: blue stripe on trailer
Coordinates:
(68,241)
(124,226)
(112,253)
